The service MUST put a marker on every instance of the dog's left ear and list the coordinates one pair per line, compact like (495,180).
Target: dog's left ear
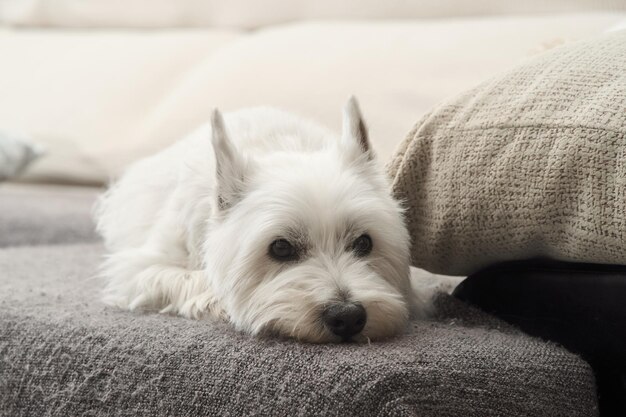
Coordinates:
(354,133)
(229,164)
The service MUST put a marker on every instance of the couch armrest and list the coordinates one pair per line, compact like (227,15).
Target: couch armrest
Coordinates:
(581,306)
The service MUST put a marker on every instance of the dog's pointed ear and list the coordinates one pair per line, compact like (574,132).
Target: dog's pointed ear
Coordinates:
(354,130)
(229,164)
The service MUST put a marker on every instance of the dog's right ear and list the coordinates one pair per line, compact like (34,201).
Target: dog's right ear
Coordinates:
(229,165)
(354,136)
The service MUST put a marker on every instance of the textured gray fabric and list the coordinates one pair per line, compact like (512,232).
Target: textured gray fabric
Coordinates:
(63,354)
(45,214)
(531,163)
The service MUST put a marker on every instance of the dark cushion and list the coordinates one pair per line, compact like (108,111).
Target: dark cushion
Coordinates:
(63,353)
(579,305)
(46,214)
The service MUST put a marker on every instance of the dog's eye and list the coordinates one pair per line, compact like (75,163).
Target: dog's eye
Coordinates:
(362,246)
(283,251)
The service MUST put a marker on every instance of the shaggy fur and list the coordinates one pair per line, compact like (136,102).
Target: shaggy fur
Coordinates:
(188,230)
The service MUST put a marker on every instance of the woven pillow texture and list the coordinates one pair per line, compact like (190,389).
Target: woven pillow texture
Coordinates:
(529,164)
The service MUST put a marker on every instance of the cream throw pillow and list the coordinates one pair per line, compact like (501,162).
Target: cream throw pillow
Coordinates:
(531,163)
(260,13)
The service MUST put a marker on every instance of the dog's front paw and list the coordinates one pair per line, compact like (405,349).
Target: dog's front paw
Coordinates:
(202,305)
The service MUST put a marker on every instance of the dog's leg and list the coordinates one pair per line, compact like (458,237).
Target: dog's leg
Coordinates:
(165,273)
(140,279)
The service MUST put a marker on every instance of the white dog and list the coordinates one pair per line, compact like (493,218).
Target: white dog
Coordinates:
(269,221)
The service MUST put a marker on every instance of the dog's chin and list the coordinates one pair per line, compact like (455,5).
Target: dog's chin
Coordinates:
(306,334)
(385,320)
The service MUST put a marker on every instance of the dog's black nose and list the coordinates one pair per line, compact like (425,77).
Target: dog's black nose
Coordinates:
(345,319)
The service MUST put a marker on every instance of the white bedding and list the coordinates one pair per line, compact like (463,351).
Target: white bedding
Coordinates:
(99,99)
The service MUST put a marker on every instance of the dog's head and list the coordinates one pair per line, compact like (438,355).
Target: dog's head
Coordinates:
(309,245)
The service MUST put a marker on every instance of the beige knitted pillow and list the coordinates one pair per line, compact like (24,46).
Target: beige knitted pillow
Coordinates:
(531,163)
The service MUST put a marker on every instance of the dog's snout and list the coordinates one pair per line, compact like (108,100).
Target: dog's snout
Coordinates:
(345,319)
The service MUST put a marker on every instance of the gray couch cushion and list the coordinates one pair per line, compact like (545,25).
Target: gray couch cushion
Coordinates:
(530,163)
(46,214)
(62,353)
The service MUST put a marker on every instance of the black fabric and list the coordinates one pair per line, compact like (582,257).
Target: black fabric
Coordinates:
(581,306)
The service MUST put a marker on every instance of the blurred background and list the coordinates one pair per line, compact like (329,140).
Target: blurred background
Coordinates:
(100,83)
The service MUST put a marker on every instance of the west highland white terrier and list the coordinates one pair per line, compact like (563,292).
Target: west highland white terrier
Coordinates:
(269,221)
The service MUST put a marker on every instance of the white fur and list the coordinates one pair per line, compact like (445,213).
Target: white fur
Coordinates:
(188,229)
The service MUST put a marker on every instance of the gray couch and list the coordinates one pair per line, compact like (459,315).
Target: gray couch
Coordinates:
(62,353)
